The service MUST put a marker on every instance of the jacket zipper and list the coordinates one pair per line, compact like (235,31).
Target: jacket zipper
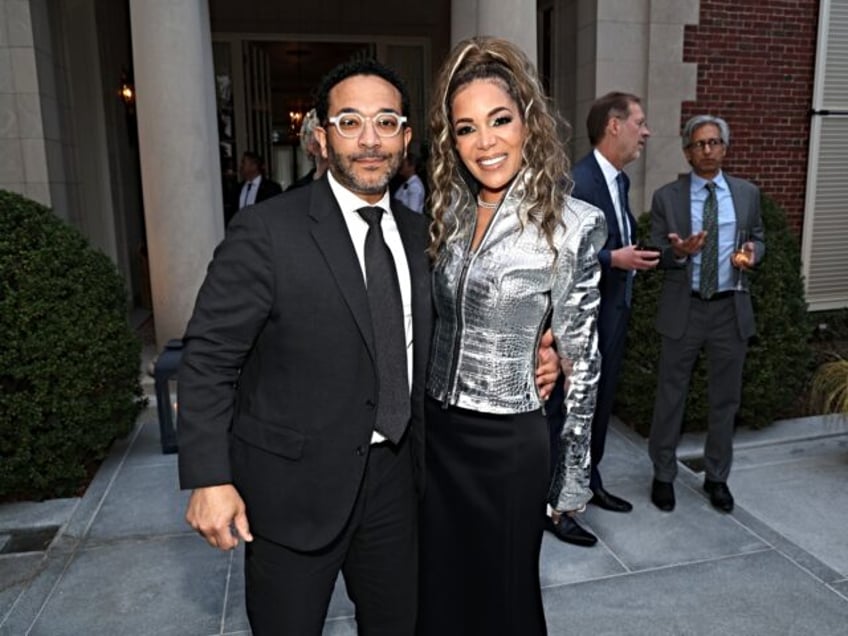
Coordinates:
(468,258)
(453,377)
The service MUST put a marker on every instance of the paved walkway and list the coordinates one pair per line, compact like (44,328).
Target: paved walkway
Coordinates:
(124,563)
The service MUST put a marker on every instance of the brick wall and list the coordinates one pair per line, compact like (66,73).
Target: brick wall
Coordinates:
(756,62)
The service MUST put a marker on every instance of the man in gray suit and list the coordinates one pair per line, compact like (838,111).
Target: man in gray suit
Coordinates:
(701,221)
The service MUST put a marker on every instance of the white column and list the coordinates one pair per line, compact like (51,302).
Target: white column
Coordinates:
(178,147)
(82,59)
(514,20)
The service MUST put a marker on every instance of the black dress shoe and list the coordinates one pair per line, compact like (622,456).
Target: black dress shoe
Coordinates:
(570,531)
(662,494)
(603,499)
(720,496)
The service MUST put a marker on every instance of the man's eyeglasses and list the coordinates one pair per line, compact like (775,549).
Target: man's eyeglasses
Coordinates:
(703,143)
(351,125)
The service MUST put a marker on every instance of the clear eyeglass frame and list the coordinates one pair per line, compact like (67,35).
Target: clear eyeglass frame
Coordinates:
(351,125)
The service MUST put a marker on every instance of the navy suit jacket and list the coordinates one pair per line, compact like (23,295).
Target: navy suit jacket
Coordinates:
(590,186)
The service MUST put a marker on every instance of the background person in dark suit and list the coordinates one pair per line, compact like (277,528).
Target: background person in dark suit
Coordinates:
(618,132)
(275,442)
(255,187)
(704,303)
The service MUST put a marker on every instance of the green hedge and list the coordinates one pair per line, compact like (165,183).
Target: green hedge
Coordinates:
(69,362)
(779,361)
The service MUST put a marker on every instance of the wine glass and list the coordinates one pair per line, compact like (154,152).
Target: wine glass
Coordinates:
(742,257)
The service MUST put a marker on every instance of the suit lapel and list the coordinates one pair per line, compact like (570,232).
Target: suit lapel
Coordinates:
(740,205)
(606,203)
(333,240)
(683,206)
(682,209)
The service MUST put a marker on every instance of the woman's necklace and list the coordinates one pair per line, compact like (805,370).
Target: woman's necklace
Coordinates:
(486,205)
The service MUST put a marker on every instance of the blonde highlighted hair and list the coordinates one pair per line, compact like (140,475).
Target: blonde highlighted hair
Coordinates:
(451,185)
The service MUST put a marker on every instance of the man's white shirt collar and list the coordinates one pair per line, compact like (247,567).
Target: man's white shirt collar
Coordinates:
(350,203)
(609,170)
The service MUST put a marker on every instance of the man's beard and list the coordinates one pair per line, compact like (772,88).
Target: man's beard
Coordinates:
(342,167)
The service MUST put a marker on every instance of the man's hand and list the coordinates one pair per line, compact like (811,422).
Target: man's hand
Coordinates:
(548,361)
(631,257)
(684,248)
(214,511)
(745,257)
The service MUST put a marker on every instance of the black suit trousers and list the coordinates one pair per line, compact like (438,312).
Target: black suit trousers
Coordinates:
(288,591)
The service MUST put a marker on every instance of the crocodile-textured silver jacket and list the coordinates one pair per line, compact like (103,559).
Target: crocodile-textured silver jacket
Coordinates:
(492,306)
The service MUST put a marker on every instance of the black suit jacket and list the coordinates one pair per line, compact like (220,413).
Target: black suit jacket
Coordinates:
(590,186)
(278,384)
(267,189)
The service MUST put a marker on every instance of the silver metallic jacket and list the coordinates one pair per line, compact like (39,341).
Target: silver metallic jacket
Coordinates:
(492,306)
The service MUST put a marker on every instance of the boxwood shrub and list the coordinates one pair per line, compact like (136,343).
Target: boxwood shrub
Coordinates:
(69,361)
(779,362)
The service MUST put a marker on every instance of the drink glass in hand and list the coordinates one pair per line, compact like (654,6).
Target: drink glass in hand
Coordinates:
(742,258)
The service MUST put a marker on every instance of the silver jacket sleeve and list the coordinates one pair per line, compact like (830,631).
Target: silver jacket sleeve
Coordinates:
(576,301)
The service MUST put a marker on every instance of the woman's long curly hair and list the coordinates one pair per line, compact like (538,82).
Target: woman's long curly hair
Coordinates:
(451,184)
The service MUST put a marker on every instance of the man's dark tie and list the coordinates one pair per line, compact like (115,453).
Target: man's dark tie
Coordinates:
(709,255)
(624,229)
(625,210)
(247,193)
(384,299)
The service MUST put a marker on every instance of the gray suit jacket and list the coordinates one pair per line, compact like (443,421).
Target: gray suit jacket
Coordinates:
(671,213)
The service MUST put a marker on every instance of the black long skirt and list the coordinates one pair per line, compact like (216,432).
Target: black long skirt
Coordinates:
(482,523)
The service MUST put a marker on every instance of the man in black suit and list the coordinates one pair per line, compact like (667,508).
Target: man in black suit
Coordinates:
(700,220)
(254,187)
(315,464)
(618,132)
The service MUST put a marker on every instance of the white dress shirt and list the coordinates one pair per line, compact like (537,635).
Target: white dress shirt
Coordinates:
(411,193)
(248,195)
(610,176)
(726,229)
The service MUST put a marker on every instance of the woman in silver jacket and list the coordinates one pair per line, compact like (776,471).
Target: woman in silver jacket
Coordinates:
(512,253)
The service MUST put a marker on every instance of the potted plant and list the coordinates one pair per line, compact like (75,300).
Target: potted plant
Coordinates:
(829,389)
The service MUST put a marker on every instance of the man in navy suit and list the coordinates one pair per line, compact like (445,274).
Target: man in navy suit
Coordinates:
(618,132)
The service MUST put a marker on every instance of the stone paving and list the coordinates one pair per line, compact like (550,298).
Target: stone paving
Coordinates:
(124,562)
